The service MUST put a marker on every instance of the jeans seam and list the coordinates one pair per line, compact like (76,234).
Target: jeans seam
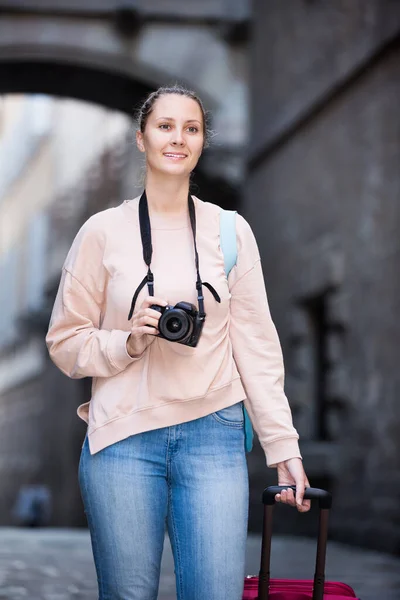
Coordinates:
(168,470)
(179,583)
(178,555)
(100,573)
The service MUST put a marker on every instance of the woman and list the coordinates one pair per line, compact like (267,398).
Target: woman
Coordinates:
(165,442)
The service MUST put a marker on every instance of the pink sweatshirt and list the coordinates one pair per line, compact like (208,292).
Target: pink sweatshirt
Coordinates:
(238,356)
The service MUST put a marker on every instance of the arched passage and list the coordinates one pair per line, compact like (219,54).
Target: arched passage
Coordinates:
(90,59)
(82,82)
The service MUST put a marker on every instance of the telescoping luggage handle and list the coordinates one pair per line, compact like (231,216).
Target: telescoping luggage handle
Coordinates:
(325,502)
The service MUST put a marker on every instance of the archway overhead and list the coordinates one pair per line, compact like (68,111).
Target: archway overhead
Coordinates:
(106,88)
(156,54)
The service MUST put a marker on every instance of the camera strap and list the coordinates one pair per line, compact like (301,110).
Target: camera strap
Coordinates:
(145,232)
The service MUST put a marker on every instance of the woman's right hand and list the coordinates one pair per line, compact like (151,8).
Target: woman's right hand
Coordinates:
(144,325)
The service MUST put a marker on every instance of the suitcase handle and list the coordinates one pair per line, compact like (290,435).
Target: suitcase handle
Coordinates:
(324,498)
(325,502)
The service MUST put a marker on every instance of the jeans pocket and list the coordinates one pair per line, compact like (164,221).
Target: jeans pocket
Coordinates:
(232,415)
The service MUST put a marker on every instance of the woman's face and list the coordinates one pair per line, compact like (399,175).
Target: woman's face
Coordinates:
(173,137)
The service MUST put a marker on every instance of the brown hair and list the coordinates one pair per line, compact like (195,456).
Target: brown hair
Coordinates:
(148,105)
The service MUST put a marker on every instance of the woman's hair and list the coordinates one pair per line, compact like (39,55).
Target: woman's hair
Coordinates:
(148,105)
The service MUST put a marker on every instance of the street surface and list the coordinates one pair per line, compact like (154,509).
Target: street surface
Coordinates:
(56,564)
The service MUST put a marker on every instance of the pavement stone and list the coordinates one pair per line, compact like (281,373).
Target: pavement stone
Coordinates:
(57,564)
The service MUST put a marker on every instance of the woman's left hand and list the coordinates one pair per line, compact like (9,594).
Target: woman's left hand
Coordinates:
(291,472)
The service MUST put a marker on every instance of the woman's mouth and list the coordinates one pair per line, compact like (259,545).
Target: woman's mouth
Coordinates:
(175,155)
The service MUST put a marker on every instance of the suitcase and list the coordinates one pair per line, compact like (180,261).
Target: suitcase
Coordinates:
(264,588)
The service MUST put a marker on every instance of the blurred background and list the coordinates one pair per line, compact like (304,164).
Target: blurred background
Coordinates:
(305,99)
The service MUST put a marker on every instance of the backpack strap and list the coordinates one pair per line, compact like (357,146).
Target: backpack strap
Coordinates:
(228,241)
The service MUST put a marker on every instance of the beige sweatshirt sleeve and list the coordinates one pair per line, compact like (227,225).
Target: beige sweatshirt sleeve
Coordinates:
(257,353)
(74,339)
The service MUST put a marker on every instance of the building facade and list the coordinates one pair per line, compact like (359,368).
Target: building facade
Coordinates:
(323,198)
(51,155)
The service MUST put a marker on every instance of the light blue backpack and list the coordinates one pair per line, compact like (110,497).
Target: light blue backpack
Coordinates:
(229,250)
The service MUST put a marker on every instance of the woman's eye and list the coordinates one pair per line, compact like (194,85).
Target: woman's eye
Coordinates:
(191,129)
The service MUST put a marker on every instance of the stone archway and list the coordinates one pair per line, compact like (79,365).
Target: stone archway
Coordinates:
(82,82)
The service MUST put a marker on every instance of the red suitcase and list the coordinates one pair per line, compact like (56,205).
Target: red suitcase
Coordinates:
(264,588)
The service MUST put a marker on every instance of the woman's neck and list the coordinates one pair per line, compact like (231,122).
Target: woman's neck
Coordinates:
(167,195)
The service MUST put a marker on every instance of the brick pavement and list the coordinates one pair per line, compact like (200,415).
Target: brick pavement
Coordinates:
(56,564)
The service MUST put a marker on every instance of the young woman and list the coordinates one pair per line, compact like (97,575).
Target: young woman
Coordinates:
(165,442)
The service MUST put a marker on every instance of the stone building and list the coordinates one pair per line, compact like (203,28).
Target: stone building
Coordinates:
(48,178)
(323,198)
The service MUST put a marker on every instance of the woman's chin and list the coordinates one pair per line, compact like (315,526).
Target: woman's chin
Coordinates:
(175,170)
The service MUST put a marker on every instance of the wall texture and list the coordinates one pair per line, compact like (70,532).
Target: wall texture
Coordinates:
(323,199)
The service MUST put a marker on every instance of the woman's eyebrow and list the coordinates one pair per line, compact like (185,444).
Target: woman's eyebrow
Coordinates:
(171,119)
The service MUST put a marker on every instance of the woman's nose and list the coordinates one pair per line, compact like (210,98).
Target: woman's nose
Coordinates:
(177,138)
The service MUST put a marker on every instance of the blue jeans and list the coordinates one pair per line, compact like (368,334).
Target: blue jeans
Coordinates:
(191,478)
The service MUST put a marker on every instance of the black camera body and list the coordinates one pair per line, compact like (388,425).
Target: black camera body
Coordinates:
(180,323)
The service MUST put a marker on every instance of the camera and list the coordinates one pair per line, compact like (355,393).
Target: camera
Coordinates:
(180,323)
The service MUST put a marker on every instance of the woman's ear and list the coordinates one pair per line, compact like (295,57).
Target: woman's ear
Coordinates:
(139,141)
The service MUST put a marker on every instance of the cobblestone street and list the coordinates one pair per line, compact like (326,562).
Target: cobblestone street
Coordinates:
(56,564)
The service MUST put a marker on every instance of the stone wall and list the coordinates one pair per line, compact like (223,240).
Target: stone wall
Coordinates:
(323,200)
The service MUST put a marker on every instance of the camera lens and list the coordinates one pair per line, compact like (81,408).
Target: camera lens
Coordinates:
(175,325)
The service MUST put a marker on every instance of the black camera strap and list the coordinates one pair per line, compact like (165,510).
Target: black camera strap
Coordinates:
(145,232)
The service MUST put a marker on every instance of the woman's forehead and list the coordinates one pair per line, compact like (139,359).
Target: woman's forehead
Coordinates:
(175,106)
